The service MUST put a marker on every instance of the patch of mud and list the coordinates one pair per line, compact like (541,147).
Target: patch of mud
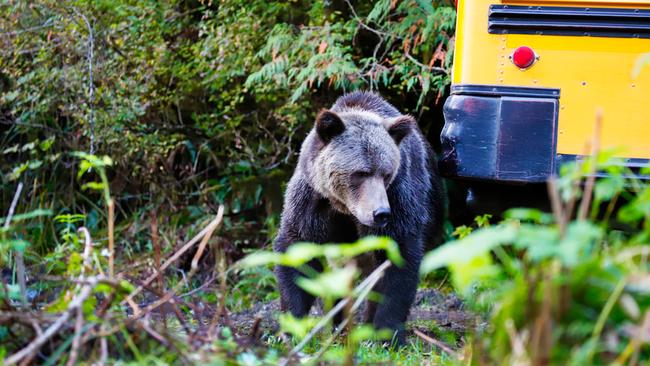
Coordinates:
(446,311)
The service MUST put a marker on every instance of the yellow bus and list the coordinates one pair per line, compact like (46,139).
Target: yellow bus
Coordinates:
(528,77)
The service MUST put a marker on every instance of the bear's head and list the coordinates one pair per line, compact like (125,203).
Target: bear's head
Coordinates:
(355,159)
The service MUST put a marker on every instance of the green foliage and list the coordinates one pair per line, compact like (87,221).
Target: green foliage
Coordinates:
(336,281)
(197,103)
(300,253)
(557,287)
(326,50)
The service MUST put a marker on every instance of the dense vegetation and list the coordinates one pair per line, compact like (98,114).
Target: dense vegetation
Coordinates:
(197,103)
(140,137)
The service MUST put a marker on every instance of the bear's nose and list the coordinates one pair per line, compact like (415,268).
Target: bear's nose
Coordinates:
(381,216)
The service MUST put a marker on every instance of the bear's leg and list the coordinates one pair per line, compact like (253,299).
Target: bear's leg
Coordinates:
(293,298)
(398,287)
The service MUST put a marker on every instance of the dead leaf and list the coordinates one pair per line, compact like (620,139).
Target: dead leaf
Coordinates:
(322,47)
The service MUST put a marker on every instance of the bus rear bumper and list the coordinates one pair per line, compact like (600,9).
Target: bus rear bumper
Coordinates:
(499,133)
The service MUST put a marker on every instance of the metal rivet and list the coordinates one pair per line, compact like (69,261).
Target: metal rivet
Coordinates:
(584,83)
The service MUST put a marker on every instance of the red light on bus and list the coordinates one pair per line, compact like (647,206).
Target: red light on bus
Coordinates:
(523,57)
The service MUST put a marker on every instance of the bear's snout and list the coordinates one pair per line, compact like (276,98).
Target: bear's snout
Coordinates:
(381,216)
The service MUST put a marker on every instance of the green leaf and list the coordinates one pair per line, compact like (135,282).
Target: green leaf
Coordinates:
(297,327)
(28,215)
(541,242)
(578,241)
(334,284)
(367,332)
(300,253)
(261,258)
(529,214)
(365,245)
(96,186)
(467,273)
(464,250)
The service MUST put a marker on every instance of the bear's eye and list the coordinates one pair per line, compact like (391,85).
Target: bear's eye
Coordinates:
(357,177)
(360,174)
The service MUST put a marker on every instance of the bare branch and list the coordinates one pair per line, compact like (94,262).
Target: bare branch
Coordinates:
(20,260)
(591,179)
(209,228)
(436,343)
(432,68)
(37,343)
(171,293)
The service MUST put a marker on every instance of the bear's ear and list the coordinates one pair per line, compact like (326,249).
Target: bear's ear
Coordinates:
(400,127)
(328,125)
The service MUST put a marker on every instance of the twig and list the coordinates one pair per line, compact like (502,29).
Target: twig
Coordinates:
(195,266)
(604,314)
(76,341)
(37,343)
(556,204)
(157,336)
(47,24)
(221,294)
(111,238)
(156,248)
(20,260)
(591,179)
(209,228)
(200,288)
(517,343)
(364,25)
(372,278)
(12,208)
(87,254)
(103,354)
(432,68)
(436,343)
(362,295)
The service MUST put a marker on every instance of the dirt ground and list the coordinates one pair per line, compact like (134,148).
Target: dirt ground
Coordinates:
(432,309)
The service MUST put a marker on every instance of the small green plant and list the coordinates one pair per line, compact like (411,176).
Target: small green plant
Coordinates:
(335,282)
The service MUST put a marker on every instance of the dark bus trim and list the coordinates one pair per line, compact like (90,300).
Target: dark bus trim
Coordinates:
(499,133)
(569,21)
(506,134)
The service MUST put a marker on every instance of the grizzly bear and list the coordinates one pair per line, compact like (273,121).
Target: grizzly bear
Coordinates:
(364,169)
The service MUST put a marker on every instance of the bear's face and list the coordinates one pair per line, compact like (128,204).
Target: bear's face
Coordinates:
(358,159)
